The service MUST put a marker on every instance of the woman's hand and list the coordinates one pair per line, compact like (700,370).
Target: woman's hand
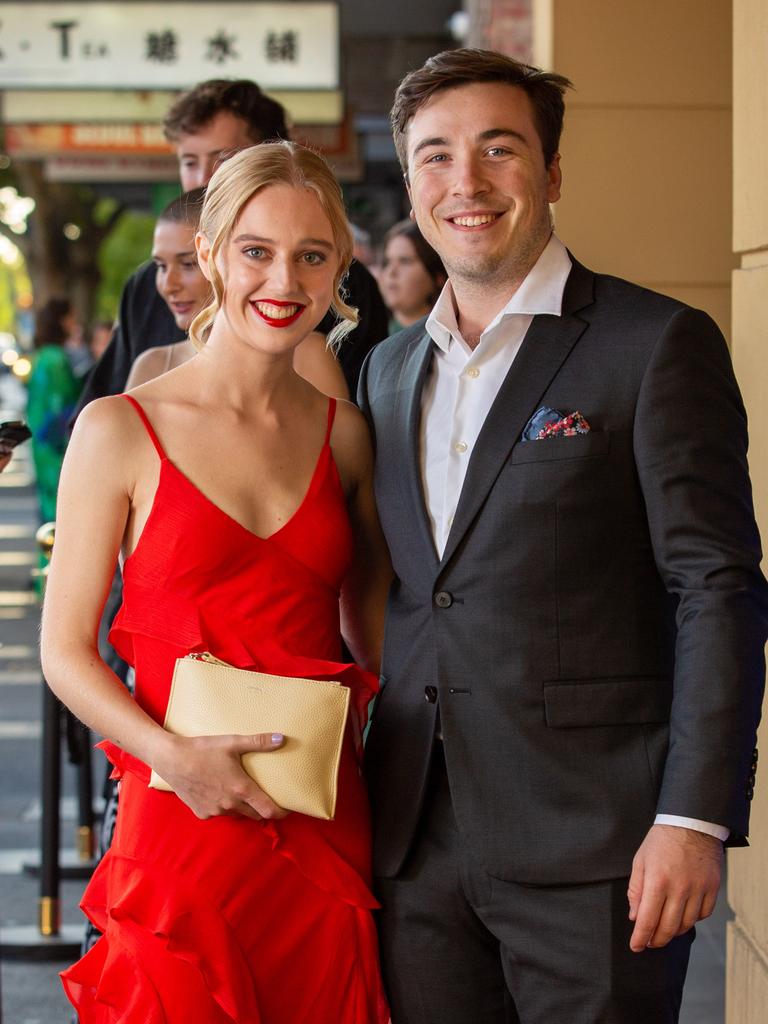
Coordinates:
(206,773)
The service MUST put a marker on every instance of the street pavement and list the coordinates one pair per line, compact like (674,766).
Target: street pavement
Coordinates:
(30,992)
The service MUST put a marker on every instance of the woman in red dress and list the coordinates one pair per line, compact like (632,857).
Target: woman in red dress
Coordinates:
(242,502)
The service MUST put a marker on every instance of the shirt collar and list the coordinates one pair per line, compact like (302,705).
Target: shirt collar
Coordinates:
(540,292)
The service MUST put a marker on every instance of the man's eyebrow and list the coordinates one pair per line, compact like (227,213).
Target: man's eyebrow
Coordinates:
(322,243)
(437,140)
(485,136)
(509,133)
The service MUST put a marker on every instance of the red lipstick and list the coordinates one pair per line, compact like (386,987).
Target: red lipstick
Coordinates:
(277,321)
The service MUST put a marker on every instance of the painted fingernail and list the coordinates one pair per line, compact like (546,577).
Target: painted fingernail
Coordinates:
(277,737)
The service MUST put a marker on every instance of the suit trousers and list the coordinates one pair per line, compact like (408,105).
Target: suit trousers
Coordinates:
(459,946)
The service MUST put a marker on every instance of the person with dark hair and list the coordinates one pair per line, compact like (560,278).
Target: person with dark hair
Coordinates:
(574,655)
(52,392)
(179,281)
(206,125)
(216,119)
(412,275)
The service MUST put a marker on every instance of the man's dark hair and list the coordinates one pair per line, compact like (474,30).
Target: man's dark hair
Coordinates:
(453,68)
(184,209)
(193,110)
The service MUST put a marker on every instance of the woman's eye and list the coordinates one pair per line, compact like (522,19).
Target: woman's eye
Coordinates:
(255,252)
(313,258)
(189,264)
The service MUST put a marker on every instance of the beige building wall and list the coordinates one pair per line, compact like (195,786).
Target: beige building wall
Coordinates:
(747,973)
(646,153)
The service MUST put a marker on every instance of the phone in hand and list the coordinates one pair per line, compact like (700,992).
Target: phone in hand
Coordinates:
(13,432)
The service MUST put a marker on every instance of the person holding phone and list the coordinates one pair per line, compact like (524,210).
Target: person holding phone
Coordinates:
(214,903)
(12,433)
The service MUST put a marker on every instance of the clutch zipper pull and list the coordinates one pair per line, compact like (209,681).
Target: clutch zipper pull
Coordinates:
(207,657)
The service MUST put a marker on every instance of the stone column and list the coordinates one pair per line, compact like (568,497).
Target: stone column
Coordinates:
(646,153)
(747,972)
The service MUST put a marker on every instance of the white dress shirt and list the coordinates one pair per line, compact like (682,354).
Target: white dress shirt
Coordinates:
(461,388)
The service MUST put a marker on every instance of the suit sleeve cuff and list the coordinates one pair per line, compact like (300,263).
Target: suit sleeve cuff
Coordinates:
(718,831)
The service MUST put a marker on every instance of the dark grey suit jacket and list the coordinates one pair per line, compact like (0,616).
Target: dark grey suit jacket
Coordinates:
(595,629)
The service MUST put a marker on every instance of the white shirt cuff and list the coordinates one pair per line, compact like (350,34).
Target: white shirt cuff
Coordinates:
(718,831)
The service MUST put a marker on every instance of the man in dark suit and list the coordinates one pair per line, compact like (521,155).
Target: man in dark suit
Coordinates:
(574,654)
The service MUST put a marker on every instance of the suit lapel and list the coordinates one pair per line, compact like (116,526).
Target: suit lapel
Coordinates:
(407,414)
(545,348)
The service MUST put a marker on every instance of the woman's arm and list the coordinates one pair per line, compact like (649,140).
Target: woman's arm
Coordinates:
(315,362)
(365,589)
(96,494)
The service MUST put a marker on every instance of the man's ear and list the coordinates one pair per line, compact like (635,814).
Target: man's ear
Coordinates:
(412,215)
(203,249)
(554,178)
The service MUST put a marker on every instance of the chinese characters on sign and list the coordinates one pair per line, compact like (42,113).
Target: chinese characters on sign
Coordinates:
(162,46)
(283,46)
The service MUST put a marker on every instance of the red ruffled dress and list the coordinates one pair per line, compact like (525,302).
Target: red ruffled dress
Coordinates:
(229,919)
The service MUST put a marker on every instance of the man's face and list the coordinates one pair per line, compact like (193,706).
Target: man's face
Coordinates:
(200,154)
(478,184)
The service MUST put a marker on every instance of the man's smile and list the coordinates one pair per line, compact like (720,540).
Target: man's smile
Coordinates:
(474,220)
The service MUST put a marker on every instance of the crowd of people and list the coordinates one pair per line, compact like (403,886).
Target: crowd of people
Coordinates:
(538,481)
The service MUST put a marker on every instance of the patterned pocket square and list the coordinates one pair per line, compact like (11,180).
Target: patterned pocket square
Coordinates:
(547,422)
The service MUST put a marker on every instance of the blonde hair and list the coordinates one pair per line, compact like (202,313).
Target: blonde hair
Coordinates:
(236,182)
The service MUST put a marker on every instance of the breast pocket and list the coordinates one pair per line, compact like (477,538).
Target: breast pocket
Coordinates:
(555,449)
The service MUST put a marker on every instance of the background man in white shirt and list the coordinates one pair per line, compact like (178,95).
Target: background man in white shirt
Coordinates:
(574,657)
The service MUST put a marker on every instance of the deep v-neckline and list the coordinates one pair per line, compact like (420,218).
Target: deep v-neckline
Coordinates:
(322,460)
(214,505)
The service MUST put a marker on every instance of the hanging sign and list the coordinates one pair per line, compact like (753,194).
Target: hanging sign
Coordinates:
(168,45)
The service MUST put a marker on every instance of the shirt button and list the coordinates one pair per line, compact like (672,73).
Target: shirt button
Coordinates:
(460,447)
(430,694)
(443,599)
(473,372)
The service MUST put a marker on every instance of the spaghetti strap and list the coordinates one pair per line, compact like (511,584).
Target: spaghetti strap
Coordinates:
(331,415)
(144,419)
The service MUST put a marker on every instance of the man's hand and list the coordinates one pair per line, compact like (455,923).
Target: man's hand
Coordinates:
(674,883)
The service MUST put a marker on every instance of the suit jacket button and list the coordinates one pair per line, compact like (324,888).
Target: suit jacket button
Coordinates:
(430,694)
(443,599)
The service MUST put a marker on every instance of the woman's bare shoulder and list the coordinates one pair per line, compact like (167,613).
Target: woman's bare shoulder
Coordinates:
(106,443)
(103,417)
(158,362)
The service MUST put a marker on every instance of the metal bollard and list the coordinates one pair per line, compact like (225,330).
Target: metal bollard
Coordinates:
(49,920)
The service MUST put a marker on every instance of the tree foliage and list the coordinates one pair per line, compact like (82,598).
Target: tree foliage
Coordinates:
(63,237)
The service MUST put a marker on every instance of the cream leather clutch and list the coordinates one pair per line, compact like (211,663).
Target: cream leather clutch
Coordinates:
(211,698)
